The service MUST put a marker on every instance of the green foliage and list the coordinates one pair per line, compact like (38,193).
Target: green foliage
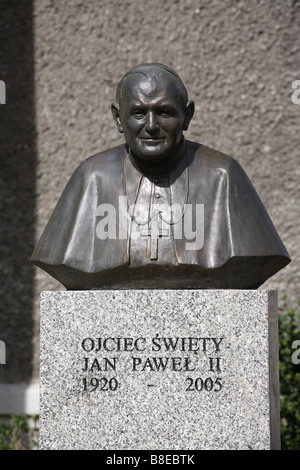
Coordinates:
(289,331)
(19,434)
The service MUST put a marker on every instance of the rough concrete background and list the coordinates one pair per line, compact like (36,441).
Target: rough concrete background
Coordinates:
(238,60)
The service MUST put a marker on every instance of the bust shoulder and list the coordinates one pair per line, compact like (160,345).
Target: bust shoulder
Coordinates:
(103,161)
(210,155)
(209,160)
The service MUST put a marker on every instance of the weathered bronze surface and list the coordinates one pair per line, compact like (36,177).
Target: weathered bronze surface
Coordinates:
(159,211)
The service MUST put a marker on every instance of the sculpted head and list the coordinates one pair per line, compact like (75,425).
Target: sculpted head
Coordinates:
(152,110)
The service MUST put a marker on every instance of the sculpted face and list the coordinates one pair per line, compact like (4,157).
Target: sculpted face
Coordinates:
(152,116)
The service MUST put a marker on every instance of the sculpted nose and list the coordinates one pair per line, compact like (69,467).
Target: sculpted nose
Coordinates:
(151,122)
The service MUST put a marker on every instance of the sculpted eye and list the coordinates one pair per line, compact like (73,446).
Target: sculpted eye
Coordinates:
(165,113)
(138,114)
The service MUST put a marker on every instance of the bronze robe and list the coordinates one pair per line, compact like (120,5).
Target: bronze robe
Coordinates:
(241,246)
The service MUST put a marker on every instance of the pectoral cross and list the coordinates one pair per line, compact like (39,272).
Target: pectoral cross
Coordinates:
(154,233)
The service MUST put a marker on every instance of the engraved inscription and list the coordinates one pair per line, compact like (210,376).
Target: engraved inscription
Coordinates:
(199,355)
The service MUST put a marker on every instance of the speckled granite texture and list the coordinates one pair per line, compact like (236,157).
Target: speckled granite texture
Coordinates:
(163,370)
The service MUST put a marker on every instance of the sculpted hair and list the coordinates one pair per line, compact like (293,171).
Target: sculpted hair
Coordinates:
(153,71)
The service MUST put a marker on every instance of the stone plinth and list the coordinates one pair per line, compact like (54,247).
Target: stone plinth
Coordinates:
(139,370)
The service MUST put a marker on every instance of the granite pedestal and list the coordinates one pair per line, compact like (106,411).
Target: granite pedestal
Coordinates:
(139,370)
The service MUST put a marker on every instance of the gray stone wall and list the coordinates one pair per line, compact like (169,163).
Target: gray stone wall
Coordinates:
(238,60)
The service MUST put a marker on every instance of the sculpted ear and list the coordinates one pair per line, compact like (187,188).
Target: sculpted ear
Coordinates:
(115,109)
(189,113)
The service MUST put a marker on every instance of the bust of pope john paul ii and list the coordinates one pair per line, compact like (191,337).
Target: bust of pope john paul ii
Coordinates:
(159,211)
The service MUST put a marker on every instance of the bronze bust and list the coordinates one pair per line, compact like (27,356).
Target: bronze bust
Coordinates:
(159,211)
